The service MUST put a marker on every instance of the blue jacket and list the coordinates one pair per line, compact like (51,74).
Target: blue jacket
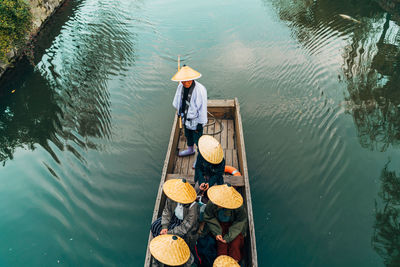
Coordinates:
(197,112)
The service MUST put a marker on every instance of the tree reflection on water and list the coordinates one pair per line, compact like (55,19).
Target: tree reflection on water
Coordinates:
(64,102)
(27,118)
(371,73)
(374,99)
(371,59)
(386,238)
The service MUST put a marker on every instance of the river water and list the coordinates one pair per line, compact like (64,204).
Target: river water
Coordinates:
(84,135)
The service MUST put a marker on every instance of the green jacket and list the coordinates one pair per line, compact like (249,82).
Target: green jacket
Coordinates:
(190,218)
(238,219)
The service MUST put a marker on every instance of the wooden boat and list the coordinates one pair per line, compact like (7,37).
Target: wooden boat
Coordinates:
(231,139)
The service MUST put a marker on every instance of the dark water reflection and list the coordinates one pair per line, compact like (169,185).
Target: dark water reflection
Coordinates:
(83,138)
(370,72)
(373,82)
(60,111)
(27,120)
(80,73)
(30,116)
(370,60)
(68,103)
(386,239)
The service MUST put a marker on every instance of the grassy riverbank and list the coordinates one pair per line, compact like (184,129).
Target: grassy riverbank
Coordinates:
(15,23)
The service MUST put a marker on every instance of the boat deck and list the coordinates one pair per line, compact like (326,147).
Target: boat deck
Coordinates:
(226,111)
(183,165)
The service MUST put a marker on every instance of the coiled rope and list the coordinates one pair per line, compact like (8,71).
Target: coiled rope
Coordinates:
(213,121)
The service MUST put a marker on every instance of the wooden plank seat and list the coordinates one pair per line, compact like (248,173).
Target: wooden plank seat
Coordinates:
(233,180)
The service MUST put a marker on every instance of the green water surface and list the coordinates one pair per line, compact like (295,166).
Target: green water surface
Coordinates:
(84,136)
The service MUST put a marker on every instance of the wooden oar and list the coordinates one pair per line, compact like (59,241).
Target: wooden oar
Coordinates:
(179,67)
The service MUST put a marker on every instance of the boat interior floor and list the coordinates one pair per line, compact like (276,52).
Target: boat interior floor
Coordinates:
(183,165)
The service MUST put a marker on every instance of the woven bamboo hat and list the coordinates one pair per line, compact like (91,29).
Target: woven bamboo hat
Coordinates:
(225,261)
(211,149)
(170,250)
(186,73)
(179,190)
(225,196)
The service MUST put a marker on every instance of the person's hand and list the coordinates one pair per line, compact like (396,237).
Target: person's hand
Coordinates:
(219,238)
(204,186)
(163,231)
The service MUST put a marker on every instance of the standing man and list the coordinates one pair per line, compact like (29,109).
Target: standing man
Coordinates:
(191,103)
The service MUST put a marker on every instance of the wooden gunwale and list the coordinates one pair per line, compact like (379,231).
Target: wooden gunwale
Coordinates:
(221,109)
(244,170)
(168,165)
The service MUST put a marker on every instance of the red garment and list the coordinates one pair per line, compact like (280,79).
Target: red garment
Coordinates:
(232,249)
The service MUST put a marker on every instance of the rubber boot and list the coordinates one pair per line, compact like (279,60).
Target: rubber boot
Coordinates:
(187,152)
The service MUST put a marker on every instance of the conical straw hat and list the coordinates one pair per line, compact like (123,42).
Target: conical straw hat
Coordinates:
(170,250)
(225,261)
(179,190)
(225,196)
(186,73)
(211,149)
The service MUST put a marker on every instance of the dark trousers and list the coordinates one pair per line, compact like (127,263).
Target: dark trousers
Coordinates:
(192,136)
(232,249)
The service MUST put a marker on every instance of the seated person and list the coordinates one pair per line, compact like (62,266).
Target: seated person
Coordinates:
(169,250)
(226,219)
(210,164)
(180,214)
